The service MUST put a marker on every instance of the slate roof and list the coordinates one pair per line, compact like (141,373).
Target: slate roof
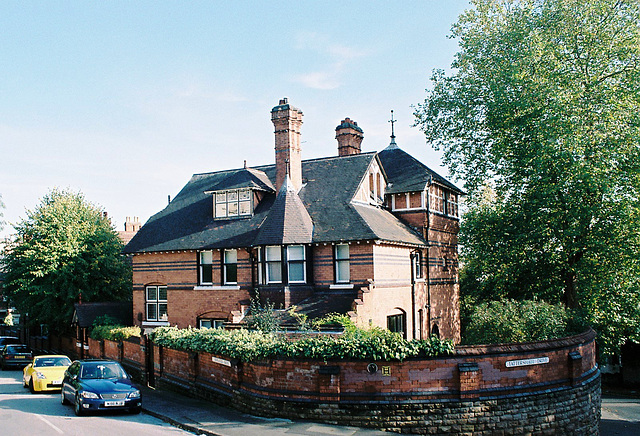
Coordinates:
(86,313)
(407,174)
(244,178)
(329,185)
(288,221)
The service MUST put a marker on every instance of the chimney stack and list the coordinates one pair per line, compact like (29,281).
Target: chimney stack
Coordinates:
(349,137)
(287,121)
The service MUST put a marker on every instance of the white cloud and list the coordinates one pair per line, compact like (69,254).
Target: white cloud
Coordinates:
(337,58)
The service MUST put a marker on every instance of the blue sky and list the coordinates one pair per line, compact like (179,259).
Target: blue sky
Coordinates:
(125,100)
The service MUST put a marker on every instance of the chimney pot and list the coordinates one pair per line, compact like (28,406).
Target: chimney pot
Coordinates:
(349,137)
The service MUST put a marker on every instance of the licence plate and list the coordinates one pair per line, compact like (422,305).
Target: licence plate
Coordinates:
(114,403)
(21,357)
(56,382)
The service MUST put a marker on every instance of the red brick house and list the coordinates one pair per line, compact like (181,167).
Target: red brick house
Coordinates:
(372,235)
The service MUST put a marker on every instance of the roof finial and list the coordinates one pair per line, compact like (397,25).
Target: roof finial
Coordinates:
(393,135)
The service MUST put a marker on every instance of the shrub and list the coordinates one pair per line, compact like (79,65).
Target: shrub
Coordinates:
(372,344)
(518,321)
(113,332)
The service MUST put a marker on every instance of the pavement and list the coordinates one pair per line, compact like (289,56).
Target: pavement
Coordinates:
(620,417)
(207,418)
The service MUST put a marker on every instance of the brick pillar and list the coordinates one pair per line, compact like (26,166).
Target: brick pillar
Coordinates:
(470,377)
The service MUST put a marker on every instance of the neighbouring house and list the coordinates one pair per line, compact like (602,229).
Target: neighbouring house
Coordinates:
(131,227)
(371,235)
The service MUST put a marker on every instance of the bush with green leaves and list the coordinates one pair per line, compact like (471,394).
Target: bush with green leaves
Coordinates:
(248,345)
(113,332)
(508,321)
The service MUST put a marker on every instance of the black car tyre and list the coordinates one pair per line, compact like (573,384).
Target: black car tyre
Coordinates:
(63,399)
(135,410)
(77,407)
(31,387)
(24,383)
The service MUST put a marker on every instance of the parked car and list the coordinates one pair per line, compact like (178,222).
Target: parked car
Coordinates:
(94,385)
(45,373)
(4,340)
(16,355)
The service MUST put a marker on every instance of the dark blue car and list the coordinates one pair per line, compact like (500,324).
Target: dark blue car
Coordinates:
(94,385)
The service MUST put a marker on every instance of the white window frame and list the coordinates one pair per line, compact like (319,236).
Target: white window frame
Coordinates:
(297,261)
(202,264)
(156,302)
(342,260)
(233,253)
(270,260)
(232,204)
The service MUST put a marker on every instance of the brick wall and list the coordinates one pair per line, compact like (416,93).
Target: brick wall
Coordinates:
(549,387)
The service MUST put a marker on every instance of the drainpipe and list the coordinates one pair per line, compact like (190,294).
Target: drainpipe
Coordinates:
(428,272)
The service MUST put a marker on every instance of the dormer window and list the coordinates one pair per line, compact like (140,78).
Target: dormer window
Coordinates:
(229,204)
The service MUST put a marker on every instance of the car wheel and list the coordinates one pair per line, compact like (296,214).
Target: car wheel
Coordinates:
(77,407)
(63,399)
(135,410)
(31,387)
(24,383)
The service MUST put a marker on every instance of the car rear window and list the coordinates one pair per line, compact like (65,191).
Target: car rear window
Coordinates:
(18,349)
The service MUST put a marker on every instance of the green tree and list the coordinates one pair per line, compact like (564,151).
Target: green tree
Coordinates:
(543,106)
(65,251)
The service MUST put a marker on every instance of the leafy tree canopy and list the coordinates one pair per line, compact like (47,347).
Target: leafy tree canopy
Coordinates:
(541,118)
(65,251)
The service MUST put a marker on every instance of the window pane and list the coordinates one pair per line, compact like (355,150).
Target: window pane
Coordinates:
(162,293)
(218,323)
(151,312)
(231,273)
(273,253)
(230,256)
(245,207)
(221,210)
(232,196)
(206,272)
(205,324)
(233,209)
(342,251)
(342,271)
(152,293)
(296,272)
(221,197)
(162,311)
(245,195)
(206,257)
(295,252)
(274,272)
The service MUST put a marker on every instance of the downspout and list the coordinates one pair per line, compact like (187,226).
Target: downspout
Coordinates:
(412,259)
(428,272)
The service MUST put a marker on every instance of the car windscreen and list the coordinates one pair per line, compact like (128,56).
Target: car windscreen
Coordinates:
(51,361)
(102,370)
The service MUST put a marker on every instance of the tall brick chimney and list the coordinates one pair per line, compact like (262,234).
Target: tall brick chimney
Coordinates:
(287,121)
(349,137)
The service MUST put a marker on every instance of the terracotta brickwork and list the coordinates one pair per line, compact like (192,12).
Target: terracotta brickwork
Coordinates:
(549,387)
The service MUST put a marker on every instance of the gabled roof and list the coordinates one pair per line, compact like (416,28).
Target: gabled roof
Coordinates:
(244,178)
(407,174)
(329,185)
(288,221)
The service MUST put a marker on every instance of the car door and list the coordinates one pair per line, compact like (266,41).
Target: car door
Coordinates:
(68,382)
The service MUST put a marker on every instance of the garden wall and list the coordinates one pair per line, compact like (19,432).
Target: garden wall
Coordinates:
(550,387)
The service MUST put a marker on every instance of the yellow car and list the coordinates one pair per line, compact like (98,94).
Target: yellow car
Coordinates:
(45,373)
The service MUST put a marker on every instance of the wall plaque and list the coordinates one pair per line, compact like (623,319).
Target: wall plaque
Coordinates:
(527,362)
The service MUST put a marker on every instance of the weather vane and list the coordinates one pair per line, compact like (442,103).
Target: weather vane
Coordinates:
(393,135)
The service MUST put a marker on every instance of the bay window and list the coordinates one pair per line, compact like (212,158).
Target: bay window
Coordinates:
(296,264)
